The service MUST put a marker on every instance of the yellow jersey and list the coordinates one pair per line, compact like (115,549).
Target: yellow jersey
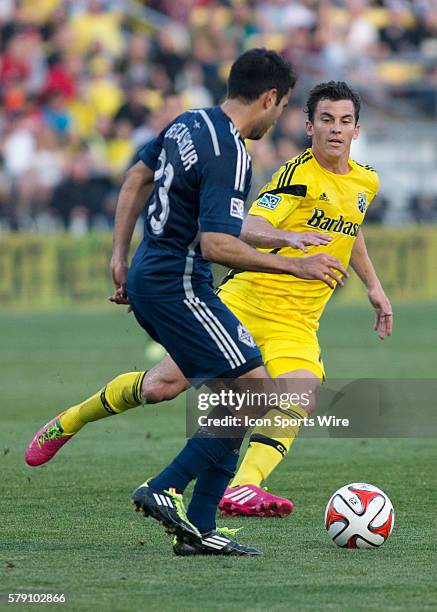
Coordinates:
(303,196)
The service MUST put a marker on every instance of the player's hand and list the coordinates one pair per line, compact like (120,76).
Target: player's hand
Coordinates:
(320,267)
(383,312)
(300,240)
(119,270)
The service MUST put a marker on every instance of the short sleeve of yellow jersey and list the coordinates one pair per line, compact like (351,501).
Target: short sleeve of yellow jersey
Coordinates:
(374,185)
(276,201)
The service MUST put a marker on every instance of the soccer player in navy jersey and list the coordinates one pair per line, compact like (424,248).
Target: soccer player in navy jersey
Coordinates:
(195,176)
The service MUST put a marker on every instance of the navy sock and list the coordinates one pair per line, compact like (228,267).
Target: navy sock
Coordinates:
(210,486)
(197,456)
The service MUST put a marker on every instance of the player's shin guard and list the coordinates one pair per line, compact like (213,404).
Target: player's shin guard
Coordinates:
(119,395)
(266,451)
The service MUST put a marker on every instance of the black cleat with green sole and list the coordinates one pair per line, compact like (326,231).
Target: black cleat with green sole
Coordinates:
(168,508)
(216,542)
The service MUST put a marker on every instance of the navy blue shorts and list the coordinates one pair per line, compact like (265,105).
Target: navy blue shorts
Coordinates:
(201,334)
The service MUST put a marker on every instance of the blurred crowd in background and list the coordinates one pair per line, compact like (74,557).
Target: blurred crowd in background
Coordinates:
(85,83)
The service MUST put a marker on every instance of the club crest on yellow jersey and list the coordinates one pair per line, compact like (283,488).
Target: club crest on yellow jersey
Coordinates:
(362,201)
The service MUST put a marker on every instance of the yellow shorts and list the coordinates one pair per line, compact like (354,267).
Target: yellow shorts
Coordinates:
(284,347)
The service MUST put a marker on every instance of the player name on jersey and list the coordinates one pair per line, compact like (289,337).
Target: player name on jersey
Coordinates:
(338,225)
(181,134)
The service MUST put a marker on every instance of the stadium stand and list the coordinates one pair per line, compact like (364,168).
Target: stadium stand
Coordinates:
(84,84)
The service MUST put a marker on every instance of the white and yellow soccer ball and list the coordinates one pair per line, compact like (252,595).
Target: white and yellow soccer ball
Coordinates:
(359,515)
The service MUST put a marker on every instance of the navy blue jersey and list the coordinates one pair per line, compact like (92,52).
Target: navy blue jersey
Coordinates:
(202,179)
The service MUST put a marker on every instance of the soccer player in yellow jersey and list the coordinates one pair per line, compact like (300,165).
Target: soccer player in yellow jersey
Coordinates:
(315,201)
(321,190)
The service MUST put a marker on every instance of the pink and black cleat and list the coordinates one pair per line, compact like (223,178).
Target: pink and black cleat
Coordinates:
(249,500)
(46,442)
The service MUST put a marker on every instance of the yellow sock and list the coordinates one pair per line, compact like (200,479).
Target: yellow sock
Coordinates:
(266,451)
(120,394)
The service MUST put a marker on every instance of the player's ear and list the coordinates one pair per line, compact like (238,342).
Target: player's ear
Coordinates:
(269,98)
(356,131)
(309,128)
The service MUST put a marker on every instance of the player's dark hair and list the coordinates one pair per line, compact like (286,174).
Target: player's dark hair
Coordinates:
(334,90)
(258,71)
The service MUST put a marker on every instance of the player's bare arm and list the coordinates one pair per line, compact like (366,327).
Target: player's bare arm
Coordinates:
(135,190)
(234,253)
(260,233)
(362,265)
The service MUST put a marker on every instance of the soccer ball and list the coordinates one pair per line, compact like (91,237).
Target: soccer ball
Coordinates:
(359,515)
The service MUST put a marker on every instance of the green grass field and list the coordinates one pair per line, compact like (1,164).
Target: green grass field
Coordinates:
(69,527)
